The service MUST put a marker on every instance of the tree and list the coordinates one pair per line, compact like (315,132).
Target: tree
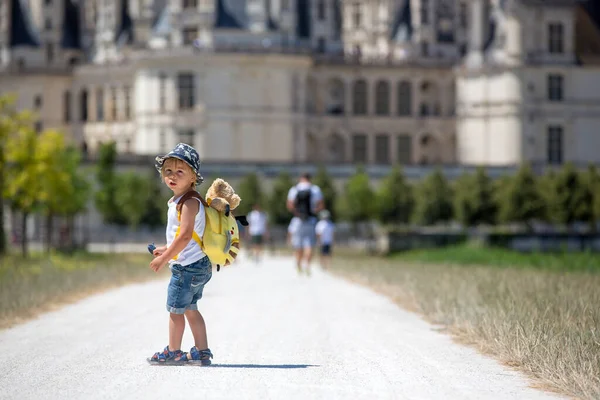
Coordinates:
(11,122)
(547,189)
(56,188)
(520,198)
(359,199)
(591,183)
(107,180)
(323,180)
(155,205)
(81,194)
(570,203)
(250,192)
(24,187)
(278,211)
(474,199)
(395,198)
(131,197)
(433,199)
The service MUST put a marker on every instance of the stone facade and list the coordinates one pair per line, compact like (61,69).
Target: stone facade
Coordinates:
(531,92)
(362,81)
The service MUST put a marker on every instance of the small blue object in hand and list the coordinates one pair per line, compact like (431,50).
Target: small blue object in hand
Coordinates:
(151,248)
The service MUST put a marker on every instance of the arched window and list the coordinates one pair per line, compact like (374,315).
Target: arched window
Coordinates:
(99,105)
(430,99)
(336,93)
(382,98)
(336,148)
(404,98)
(312,147)
(67,106)
(311,95)
(429,149)
(359,97)
(83,105)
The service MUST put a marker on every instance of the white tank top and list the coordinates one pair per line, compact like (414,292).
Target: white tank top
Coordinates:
(192,252)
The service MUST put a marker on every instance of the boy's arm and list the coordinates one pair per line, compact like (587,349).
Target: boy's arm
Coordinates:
(186,229)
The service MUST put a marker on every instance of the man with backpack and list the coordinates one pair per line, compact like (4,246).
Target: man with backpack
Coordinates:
(304,200)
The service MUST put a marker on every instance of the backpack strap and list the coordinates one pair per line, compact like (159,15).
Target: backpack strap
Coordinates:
(192,194)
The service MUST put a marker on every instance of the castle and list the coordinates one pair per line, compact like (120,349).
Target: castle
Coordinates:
(376,82)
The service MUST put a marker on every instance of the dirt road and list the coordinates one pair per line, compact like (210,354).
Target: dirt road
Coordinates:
(274,334)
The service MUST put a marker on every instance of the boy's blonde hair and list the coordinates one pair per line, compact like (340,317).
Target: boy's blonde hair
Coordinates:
(177,163)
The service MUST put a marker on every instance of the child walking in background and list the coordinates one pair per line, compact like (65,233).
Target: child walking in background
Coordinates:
(258,231)
(325,231)
(292,228)
(190,268)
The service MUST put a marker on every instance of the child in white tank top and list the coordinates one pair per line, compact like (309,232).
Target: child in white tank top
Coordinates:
(190,267)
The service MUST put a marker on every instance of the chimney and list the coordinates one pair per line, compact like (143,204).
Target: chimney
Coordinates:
(479,25)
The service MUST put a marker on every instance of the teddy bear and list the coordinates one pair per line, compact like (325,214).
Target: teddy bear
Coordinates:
(221,196)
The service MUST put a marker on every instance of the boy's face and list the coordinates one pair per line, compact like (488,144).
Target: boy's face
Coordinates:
(177,175)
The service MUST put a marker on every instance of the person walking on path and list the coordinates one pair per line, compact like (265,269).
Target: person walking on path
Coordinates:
(304,200)
(258,231)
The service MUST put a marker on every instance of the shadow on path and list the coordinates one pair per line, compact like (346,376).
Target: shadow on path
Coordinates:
(258,366)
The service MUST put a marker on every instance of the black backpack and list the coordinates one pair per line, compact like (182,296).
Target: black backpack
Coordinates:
(302,204)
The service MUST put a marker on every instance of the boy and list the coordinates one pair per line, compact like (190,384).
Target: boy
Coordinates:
(190,267)
(324,230)
(257,220)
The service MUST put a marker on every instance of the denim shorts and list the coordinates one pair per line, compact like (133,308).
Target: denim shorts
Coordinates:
(187,284)
(305,235)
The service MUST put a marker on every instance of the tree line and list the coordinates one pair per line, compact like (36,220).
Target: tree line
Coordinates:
(41,174)
(560,196)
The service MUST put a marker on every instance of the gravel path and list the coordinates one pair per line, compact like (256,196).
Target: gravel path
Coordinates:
(275,335)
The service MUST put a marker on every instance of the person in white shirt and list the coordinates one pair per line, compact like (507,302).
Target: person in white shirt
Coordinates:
(304,201)
(258,231)
(292,228)
(325,229)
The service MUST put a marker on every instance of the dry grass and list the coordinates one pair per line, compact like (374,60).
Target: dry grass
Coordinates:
(545,323)
(42,283)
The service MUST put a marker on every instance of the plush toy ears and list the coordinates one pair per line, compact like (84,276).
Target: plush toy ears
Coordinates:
(242,220)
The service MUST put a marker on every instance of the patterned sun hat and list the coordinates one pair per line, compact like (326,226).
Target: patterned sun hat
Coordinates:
(185,153)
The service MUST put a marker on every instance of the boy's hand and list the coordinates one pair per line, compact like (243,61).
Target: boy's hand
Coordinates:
(159,251)
(157,264)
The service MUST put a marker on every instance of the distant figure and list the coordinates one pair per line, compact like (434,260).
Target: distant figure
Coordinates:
(258,231)
(292,228)
(325,229)
(304,201)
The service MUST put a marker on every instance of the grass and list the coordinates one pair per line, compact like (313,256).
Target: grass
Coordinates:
(537,313)
(498,257)
(43,282)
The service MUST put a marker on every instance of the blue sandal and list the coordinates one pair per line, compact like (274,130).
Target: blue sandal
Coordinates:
(200,356)
(169,357)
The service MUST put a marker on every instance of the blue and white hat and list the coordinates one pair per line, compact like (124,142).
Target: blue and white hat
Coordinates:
(185,153)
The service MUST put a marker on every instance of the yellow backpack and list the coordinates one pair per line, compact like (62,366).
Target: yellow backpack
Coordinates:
(221,238)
